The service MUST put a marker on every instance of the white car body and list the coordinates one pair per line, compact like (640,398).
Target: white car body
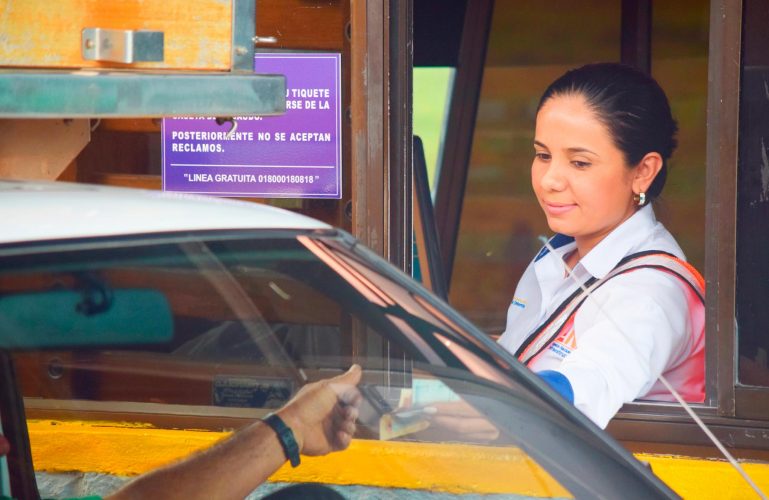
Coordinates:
(83,210)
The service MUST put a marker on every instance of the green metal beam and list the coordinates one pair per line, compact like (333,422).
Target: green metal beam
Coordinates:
(113,94)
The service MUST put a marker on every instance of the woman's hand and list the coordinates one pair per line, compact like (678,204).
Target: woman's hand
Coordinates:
(462,420)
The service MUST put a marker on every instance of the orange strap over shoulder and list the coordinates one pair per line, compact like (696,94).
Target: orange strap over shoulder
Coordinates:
(651,259)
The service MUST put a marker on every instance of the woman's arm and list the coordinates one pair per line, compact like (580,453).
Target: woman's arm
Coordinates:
(627,335)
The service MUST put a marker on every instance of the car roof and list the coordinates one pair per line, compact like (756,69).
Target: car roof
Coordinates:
(39,210)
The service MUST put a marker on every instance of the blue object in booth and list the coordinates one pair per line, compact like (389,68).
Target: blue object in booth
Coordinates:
(559,383)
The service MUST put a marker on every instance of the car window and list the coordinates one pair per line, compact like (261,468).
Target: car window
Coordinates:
(233,324)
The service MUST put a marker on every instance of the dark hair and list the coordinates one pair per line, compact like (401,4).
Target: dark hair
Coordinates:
(633,107)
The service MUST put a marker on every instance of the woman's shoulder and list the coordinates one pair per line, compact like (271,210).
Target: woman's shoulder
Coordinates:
(647,282)
(659,239)
(643,292)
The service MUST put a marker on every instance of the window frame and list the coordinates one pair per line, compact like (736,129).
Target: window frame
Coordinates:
(734,412)
(727,407)
(721,203)
(738,415)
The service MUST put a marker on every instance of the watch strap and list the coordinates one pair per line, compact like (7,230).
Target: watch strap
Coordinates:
(285,437)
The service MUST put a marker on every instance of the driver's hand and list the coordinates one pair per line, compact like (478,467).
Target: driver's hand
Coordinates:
(322,414)
(463,420)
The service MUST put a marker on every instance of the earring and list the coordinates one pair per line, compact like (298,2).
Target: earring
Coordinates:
(640,199)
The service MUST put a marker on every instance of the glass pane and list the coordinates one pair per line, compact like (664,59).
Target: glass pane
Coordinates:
(432,90)
(110,334)
(680,65)
(753,199)
(501,219)
(236,324)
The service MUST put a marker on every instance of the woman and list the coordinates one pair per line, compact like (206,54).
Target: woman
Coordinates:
(604,134)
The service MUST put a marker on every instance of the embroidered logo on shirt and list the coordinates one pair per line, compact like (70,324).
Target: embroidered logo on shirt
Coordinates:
(565,342)
(519,302)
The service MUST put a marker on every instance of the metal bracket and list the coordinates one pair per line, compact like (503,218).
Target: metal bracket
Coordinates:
(243,33)
(122,46)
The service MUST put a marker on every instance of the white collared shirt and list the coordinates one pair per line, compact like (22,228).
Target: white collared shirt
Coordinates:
(661,322)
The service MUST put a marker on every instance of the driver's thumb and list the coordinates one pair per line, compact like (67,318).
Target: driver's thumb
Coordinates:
(350,377)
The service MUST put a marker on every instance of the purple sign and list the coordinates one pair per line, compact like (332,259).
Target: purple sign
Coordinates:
(294,155)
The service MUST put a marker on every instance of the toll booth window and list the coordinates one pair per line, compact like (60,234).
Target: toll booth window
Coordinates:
(501,219)
(753,200)
(527,49)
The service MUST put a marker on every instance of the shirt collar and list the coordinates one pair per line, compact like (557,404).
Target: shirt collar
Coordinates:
(559,241)
(619,243)
(548,266)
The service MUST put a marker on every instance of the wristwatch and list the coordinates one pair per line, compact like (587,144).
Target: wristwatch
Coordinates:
(285,436)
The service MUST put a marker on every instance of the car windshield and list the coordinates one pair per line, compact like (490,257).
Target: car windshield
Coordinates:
(221,326)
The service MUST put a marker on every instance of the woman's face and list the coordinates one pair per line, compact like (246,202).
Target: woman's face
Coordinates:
(578,174)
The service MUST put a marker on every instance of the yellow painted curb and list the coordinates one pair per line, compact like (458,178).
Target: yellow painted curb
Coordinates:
(131,449)
(111,448)
(707,478)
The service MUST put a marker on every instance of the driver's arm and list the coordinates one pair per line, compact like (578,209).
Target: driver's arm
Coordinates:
(322,417)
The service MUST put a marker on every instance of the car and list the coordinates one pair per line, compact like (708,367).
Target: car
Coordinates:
(125,309)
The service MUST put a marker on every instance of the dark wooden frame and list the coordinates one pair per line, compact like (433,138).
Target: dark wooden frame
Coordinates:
(635,33)
(400,87)
(461,123)
(381,126)
(750,401)
(370,141)
(382,61)
(721,209)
